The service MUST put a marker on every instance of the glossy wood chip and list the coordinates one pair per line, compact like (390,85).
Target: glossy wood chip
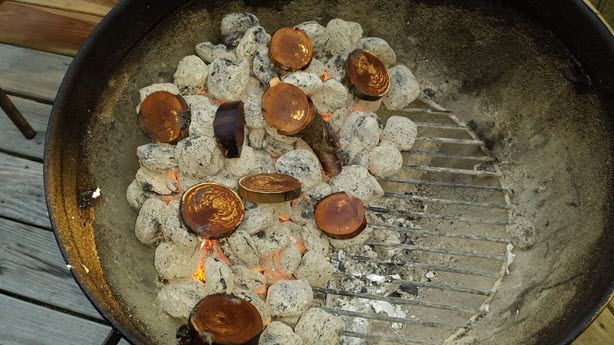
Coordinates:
(286,108)
(340,216)
(367,75)
(269,188)
(211,210)
(229,128)
(226,320)
(164,117)
(291,49)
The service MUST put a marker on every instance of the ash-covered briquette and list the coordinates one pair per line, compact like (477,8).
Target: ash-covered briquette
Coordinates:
(262,66)
(303,165)
(385,160)
(155,181)
(227,79)
(357,181)
(378,47)
(400,131)
(257,219)
(289,298)
(330,96)
(173,261)
(157,157)
(363,126)
(244,248)
(208,52)
(248,279)
(174,229)
(319,327)
(203,114)
(179,298)
(404,88)
(234,26)
(148,90)
(191,72)
(308,82)
(319,37)
(343,36)
(148,228)
(315,269)
(199,157)
(255,38)
(278,333)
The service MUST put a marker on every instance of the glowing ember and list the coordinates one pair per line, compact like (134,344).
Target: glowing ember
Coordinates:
(206,246)
(283,218)
(299,243)
(325,76)
(326,117)
(271,268)
(218,101)
(202,91)
(357,107)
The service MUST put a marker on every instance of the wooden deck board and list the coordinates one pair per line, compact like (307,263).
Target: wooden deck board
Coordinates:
(31,73)
(44,28)
(94,7)
(32,266)
(12,141)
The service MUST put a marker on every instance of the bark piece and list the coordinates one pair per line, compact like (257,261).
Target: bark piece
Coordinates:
(324,142)
(269,188)
(367,75)
(229,128)
(340,216)
(286,108)
(226,320)
(291,49)
(211,210)
(164,117)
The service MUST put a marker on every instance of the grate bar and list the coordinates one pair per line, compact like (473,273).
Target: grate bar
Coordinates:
(437,250)
(394,300)
(451,156)
(387,339)
(440,125)
(379,317)
(425,232)
(428,111)
(478,173)
(445,140)
(429,267)
(444,201)
(440,184)
(378,209)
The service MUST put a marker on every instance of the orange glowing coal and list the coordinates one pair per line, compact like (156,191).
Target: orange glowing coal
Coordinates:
(283,218)
(271,268)
(325,76)
(326,117)
(208,247)
(218,101)
(202,91)
(357,107)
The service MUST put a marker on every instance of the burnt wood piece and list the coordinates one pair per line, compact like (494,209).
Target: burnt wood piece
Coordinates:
(229,128)
(225,319)
(291,49)
(321,137)
(269,188)
(366,75)
(164,117)
(287,108)
(211,210)
(340,216)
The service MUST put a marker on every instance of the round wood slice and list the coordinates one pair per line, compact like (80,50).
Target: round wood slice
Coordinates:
(367,75)
(226,320)
(229,128)
(286,108)
(164,117)
(340,216)
(211,210)
(291,49)
(269,188)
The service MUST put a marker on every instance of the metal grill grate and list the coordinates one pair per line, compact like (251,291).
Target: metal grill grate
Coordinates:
(442,217)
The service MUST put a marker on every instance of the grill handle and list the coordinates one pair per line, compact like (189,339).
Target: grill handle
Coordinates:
(15,116)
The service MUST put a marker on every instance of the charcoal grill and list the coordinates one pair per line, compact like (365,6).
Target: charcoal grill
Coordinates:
(492,62)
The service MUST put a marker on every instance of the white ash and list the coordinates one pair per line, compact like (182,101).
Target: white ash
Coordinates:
(385,160)
(343,36)
(302,211)
(173,261)
(173,227)
(404,88)
(248,279)
(349,148)
(363,126)
(148,90)
(273,239)
(429,275)
(209,52)
(254,38)
(278,333)
(521,231)
(263,308)
(317,192)
(330,96)
(357,181)
(279,137)
(380,48)
(390,310)
(147,228)
(262,66)
(202,116)
(400,131)
(319,37)
(264,162)
(315,240)
(199,157)
(308,82)
(289,259)
(218,276)
(277,148)
(179,298)
(302,165)
(337,118)
(157,157)
(336,67)
(157,182)
(315,269)
(191,72)
(289,298)
(135,195)
(196,100)
(362,158)
(319,327)
(372,106)
(243,165)
(252,104)
(256,219)
(234,26)
(227,79)
(354,242)
(256,138)
(244,248)
(316,67)
(229,181)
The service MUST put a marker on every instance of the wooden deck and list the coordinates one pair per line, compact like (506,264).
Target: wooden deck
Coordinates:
(39,301)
